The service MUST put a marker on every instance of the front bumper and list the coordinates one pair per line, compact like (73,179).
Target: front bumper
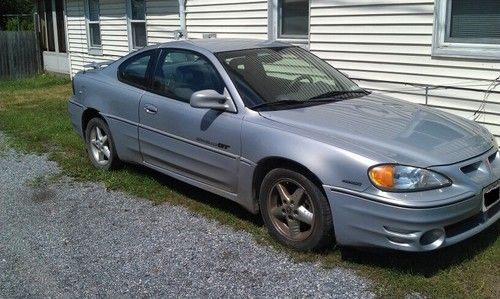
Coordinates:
(363,222)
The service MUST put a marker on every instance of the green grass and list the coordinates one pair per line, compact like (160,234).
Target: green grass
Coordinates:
(33,113)
(44,180)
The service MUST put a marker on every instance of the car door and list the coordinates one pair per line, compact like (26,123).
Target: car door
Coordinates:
(198,144)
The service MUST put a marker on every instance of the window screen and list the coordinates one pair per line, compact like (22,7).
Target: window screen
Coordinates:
(95,35)
(94,28)
(50,26)
(293,18)
(61,35)
(476,21)
(137,21)
(139,34)
(93,10)
(138,10)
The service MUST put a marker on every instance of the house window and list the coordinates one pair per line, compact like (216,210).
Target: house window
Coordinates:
(137,23)
(293,18)
(94,27)
(288,20)
(467,28)
(469,22)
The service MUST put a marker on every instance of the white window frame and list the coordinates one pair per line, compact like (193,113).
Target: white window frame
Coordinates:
(443,48)
(273,26)
(130,21)
(93,49)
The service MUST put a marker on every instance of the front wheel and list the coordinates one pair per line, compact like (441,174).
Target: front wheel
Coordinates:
(295,210)
(100,145)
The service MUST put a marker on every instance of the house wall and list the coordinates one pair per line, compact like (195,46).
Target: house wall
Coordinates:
(387,45)
(113,32)
(227,18)
(162,19)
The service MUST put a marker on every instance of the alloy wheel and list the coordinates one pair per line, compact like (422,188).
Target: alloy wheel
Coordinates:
(291,210)
(99,145)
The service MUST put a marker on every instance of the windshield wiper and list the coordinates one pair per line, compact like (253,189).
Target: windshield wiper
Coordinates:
(331,96)
(336,93)
(278,103)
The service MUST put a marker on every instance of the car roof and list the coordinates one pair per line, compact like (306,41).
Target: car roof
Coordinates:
(216,45)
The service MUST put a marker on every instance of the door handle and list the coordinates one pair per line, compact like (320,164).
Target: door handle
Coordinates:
(150,109)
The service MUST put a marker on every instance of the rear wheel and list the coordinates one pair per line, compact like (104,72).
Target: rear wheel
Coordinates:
(295,210)
(100,145)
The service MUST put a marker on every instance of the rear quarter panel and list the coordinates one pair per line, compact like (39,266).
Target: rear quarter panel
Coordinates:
(117,103)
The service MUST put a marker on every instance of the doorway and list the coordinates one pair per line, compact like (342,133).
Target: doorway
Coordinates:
(51,27)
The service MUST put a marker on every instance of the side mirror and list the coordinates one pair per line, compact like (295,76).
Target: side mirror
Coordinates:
(209,98)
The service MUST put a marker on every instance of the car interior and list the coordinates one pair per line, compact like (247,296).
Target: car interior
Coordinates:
(185,73)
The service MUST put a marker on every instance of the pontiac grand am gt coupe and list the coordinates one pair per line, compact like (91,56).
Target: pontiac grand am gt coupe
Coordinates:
(280,131)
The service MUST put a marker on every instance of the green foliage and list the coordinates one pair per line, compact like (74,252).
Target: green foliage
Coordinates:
(14,7)
(19,24)
(33,114)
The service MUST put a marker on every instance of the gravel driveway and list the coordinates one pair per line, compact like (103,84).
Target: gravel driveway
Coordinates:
(71,239)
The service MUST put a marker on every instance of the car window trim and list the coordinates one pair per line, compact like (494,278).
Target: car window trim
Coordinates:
(148,77)
(151,69)
(158,63)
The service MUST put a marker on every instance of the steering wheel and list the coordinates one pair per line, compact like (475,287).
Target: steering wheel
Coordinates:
(298,79)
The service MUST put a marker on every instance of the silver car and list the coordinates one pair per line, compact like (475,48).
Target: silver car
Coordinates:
(281,132)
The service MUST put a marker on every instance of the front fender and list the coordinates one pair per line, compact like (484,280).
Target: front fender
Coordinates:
(334,166)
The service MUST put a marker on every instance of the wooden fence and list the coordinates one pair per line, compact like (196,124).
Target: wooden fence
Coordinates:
(20,54)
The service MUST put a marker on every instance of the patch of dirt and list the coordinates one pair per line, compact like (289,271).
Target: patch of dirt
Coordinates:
(42,194)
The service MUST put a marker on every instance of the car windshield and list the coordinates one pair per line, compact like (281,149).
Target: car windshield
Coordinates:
(285,75)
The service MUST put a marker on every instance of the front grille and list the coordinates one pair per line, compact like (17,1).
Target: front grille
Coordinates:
(471,167)
(464,225)
(491,197)
(471,222)
(482,165)
(492,157)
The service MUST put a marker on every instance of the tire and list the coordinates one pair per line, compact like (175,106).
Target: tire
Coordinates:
(298,219)
(101,150)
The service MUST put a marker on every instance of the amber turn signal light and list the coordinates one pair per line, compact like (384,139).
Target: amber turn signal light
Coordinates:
(382,176)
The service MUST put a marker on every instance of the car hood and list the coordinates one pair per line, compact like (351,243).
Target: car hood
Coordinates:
(401,131)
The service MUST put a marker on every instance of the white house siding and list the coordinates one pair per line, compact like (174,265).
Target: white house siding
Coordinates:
(386,44)
(113,32)
(227,18)
(162,19)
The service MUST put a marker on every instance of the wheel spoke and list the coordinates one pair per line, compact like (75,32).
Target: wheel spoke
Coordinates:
(100,155)
(293,227)
(106,152)
(304,215)
(297,196)
(98,133)
(104,139)
(284,195)
(93,142)
(277,211)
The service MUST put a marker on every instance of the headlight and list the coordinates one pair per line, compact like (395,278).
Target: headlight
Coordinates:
(398,178)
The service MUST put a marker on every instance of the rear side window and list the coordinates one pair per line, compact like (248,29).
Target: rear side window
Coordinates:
(134,71)
(180,73)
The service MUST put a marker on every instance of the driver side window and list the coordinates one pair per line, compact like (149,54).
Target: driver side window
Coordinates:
(180,73)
